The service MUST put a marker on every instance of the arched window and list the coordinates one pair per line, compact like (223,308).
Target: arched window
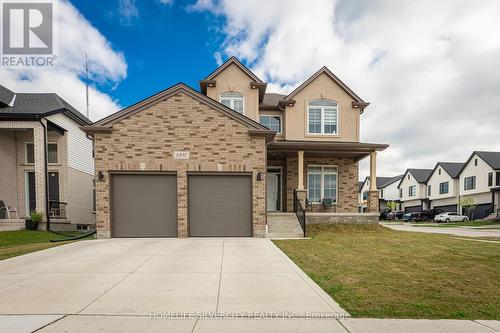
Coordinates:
(233,100)
(322,116)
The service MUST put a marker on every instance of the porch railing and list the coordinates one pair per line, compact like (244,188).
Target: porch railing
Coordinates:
(57,209)
(300,212)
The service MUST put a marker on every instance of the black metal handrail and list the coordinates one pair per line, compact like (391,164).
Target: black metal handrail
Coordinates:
(57,209)
(300,212)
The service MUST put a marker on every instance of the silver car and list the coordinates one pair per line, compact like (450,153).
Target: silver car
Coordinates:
(450,217)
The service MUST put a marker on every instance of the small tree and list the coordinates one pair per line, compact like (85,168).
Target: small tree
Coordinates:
(392,206)
(469,205)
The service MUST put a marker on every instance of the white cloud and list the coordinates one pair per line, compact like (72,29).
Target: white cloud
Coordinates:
(167,2)
(75,37)
(429,68)
(128,11)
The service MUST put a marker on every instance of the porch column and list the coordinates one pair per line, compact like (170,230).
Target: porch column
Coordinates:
(40,172)
(301,192)
(300,185)
(372,202)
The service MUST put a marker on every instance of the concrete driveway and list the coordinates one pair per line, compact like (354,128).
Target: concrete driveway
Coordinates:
(119,283)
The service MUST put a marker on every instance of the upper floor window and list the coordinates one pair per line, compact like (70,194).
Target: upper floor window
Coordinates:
(475,162)
(51,153)
(400,192)
(439,172)
(412,191)
(271,122)
(498,178)
(490,179)
(444,187)
(429,191)
(322,116)
(233,100)
(470,183)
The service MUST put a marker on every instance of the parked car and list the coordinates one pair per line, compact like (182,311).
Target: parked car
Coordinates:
(394,215)
(417,216)
(450,217)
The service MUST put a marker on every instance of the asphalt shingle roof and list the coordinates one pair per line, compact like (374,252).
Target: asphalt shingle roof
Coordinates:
(452,168)
(40,104)
(272,99)
(420,175)
(6,96)
(384,181)
(490,157)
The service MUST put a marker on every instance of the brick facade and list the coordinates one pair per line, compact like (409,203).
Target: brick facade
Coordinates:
(347,179)
(145,141)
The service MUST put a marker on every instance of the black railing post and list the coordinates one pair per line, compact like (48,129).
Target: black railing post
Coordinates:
(299,212)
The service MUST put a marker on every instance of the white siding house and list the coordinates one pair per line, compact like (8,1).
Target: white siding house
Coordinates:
(480,180)
(442,186)
(413,190)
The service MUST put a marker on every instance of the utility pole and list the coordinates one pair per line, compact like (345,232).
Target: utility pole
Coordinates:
(87,83)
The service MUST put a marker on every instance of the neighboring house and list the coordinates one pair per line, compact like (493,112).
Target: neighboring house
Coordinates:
(413,190)
(41,144)
(480,179)
(388,191)
(183,163)
(442,186)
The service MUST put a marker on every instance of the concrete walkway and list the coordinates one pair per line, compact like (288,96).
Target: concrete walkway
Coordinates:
(172,285)
(457,231)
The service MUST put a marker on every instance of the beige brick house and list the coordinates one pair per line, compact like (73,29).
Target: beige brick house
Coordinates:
(46,162)
(221,162)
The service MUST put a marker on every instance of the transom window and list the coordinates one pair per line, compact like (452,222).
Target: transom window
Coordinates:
(233,100)
(271,122)
(444,187)
(470,183)
(322,183)
(412,191)
(322,115)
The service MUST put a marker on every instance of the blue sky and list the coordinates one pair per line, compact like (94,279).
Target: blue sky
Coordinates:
(162,45)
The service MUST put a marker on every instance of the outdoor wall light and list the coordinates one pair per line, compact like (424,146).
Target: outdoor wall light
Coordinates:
(260,176)
(100,176)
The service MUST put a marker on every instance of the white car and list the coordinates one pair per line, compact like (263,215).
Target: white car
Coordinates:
(450,217)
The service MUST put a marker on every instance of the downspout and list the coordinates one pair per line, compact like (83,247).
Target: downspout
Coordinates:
(46,171)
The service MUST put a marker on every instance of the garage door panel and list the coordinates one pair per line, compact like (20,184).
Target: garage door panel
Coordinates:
(447,208)
(413,209)
(144,205)
(220,205)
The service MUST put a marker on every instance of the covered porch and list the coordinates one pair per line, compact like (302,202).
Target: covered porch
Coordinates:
(32,177)
(324,176)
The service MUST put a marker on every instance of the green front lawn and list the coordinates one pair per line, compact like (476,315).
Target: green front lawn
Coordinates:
(19,242)
(373,271)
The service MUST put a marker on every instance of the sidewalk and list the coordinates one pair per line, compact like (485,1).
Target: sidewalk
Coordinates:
(86,323)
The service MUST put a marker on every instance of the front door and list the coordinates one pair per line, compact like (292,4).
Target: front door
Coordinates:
(273,181)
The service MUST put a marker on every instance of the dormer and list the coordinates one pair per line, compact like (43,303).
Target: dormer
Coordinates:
(235,86)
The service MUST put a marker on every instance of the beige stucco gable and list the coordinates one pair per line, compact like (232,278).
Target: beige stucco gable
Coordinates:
(322,87)
(234,79)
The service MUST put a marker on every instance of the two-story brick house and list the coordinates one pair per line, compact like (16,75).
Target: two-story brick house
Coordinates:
(183,163)
(46,162)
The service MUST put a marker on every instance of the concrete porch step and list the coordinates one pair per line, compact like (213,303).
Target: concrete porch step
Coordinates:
(283,225)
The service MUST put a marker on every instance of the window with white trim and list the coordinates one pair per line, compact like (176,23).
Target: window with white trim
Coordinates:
(469,183)
(322,117)
(233,100)
(322,183)
(271,122)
